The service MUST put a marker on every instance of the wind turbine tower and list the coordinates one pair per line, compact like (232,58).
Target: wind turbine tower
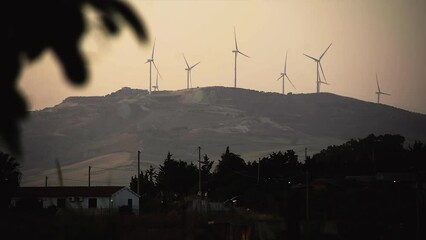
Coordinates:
(236,52)
(188,72)
(151,62)
(284,74)
(379,92)
(319,66)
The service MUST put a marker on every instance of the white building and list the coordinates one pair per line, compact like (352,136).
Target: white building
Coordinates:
(101,199)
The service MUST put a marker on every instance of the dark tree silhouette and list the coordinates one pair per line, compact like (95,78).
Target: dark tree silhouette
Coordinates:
(176,176)
(206,173)
(10,177)
(31,27)
(147,185)
(230,177)
(230,164)
(206,167)
(367,156)
(418,156)
(279,167)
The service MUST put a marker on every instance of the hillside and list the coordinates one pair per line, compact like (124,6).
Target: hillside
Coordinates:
(108,131)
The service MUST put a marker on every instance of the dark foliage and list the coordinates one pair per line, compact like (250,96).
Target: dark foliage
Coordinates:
(29,28)
(368,156)
(389,207)
(176,176)
(230,177)
(282,168)
(230,164)
(147,183)
(10,177)
(206,174)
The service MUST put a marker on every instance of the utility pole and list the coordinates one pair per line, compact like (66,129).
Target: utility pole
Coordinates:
(45,181)
(419,190)
(139,167)
(308,225)
(258,171)
(307,185)
(199,171)
(90,168)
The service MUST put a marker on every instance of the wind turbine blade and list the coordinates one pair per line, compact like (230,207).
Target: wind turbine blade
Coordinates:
(235,37)
(326,83)
(385,94)
(243,54)
(153,49)
(157,70)
(377,80)
(195,65)
(316,60)
(280,77)
(185,60)
(285,64)
(325,51)
(323,72)
(290,81)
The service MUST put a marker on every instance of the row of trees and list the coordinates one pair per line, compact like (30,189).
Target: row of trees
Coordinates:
(277,184)
(271,176)
(232,176)
(181,178)
(368,156)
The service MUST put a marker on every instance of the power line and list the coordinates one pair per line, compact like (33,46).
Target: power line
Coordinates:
(116,169)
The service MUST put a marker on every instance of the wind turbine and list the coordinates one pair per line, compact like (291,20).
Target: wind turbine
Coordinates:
(236,51)
(188,72)
(319,66)
(284,74)
(378,91)
(151,61)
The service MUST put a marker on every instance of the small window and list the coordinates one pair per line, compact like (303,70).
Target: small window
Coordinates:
(129,203)
(61,202)
(93,203)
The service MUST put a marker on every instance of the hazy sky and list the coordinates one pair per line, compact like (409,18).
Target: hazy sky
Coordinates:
(368,36)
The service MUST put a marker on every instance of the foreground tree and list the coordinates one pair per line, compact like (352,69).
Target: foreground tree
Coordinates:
(29,28)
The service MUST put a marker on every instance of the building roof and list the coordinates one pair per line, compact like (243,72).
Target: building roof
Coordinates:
(99,191)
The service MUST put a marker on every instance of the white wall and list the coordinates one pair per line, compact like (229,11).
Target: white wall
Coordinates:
(118,199)
(121,197)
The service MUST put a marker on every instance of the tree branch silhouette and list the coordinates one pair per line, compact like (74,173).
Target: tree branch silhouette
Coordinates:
(31,27)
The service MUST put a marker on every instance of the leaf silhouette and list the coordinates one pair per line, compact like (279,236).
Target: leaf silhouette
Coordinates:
(31,27)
